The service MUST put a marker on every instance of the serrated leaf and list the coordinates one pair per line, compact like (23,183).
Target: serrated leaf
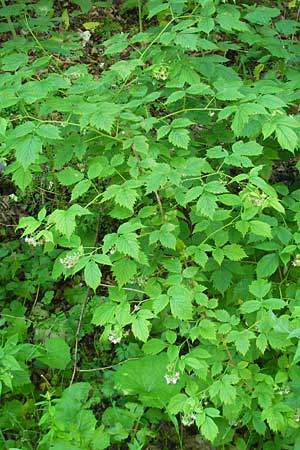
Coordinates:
(104,313)
(259,288)
(28,150)
(179,137)
(154,346)
(260,228)
(140,328)
(218,255)
(160,303)
(124,270)
(174,97)
(49,131)
(234,252)
(69,176)
(22,178)
(221,280)
(261,343)
(64,220)
(80,188)
(57,353)
(250,306)
(209,429)
(207,205)
(267,265)
(163,131)
(286,137)
(128,245)
(180,302)
(126,197)
(92,275)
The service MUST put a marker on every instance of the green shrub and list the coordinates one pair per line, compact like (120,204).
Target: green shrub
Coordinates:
(159,264)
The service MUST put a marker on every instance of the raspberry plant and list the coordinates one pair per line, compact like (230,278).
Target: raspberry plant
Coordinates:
(156,277)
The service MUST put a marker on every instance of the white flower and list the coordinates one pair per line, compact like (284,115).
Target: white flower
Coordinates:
(188,419)
(172,379)
(31,241)
(114,338)
(258,200)
(69,261)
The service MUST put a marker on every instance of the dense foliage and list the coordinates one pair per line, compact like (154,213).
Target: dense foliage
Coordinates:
(150,289)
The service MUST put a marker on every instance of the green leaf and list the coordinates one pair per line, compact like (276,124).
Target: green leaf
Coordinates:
(261,343)
(179,138)
(49,131)
(80,188)
(128,245)
(126,197)
(28,150)
(267,265)
(57,353)
(207,205)
(104,313)
(287,138)
(250,306)
(259,288)
(174,97)
(124,270)
(260,228)
(181,302)
(22,178)
(218,255)
(69,176)
(154,346)
(140,328)
(160,303)
(145,378)
(209,429)
(221,279)
(64,221)
(92,275)
(234,252)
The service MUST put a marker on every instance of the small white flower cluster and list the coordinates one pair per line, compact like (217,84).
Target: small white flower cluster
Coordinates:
(188,419)
(114,338)
(161,73)
(139,280)
(172,378)
(296,262)
(31,241)
(284,391)
(69,261)
(259,199)
(297,416)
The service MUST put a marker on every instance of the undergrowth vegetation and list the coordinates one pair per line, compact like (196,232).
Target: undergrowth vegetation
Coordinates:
(150,213)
